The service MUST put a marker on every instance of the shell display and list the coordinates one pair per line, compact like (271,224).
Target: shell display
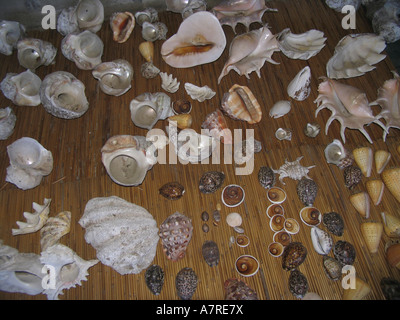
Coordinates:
(298,284)
(266,177)
(186,283)
(154,278)
(122,25)
(217,127)
(169,83)
(149,14)
(172,190)
(293,255)
(175,233)
(154,31)
(337,154)
(293,170)
(344,252)
(280,108)
(33,53)
(200,39)
(307,191)
(210,253)
(352,176)
(236,289)
(199,93)
(391,178)
(54,229)
(300,87)
(10,33)
(333,221)
(332,268)
(7,122)
(124,235)
(211,181)
(321,240)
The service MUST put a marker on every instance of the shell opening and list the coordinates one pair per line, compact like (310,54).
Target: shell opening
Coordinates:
(124,169)
(31,58)
(199,44)
(69,272)
(91,45)
(27,277)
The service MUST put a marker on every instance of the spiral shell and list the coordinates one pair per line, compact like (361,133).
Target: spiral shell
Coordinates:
(211,181)
(232,195)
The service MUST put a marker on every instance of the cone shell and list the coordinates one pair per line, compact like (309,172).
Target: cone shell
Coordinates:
(372,234)
(391,225)
(391,178)
(363,157)
(382,158)
(393,255)
(183,120)
(146,49)
(362,289)
(361,203)
(375,190)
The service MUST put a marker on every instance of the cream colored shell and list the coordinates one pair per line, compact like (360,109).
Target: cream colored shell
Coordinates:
(34,221)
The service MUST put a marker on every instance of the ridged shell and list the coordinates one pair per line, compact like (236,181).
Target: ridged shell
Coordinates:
(361,203)
(372,234)
(266,177)
(211,181)
(210,253)
(382,158)
(169,83)
(298,284)
(375,190)
(307,191)
(172,190)
(186,283)
(344,252)
(333,221)
(293,255)
(54,229)
(154,278)
(352,176)
(236,289)
(199,93)
(332,267)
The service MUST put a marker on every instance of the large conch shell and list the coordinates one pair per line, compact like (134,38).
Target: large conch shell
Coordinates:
(200,39)
(33,53)
(10,33)
(354,55)
(349,105)
(54,229)
(29,163)
(249,51)
(22,89)
(199,93)
(391,178)
(90,15)
(35,220)
(122,25)
(63,95)
(124,234)
(115,77)
(7,122)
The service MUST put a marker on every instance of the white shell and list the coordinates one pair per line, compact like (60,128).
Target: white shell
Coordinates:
(22,89)
(115,77)
(90,15)
(234,219)
(301,46)
(283,134)
(335,152)
(7,122)
(33,53)
(63,95)
(148,14)
(199,93)
(10,33)
(312,129)
(67,21)
(29,162)
(321,240)
(355,54)
(192,7)
(176,5)
(69,269)
(54,229)
(35,220)
(169,83)
(124,234)
(300,87)
(154,31)
(280,108)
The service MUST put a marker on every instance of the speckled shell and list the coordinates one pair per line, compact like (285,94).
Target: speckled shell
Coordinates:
(344,252)
(266,177)
(210,253)
(172,190)
(236,289)
(154,278)
(298,284)
(352,176)
(211,181)
(175,233)
(332,267)
(186,283)
(293,255)
(333,221)
(307,191)
(390,288)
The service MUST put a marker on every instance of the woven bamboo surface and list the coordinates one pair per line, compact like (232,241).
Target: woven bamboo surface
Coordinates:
(79,175)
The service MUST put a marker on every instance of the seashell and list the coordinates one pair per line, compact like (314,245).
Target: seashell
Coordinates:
(33,53)
(307,191)
(234,219)
(211,181)
(266,177)
(199,93)
(69,269)
(282,237)
(90,15)
(172,190)
(321,240)
(204,216)
(7,122)
(181,107)
(311,296)
(283,134)
(217,127)
(205,227)
(146,49)
(149,71)
(182,121)
(216,215)
(175,233)
(337,154)
(63,95)
(236,289)
(274,209)
(355,54)
(67,21)
(391,224)
(210,253)
(29,163)
(375,190)
(300,87)
(249,51)
(372,233)
(154,278)
(186,283)
(124,235)
(22,89)
(293,170)
(360,291)
(337,5)
(393,255)
(361,203)
(298,284)
(291,226)
(344,252)
(85,49)
(238,229)
(194,6)
(275,249)
(311,216)
(247,265)
(232,195)
(382,158)
(312,129)
(241,104)
(276,195)
(154,31)
(10,33)
(54,229)
(242,240)
(280,108)
(122,25)
(300,46)
(277,222)
(363,156)
(390,288)
(148,14)
(169,83)
(352,176)
(391,178)
(293,256)
(200,39)
(115,77)
(333,221)
(35,220)
(332,268)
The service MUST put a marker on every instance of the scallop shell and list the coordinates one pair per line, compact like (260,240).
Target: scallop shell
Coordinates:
(122,25)
(169,83)
(280,108)
(148,14)
(154,31)
(146,49)
(375,190)
(210,253)
(10,33)
(372,234)
(266,177)
(186,283)
(391,224)
(382,158)
(361,203)
(149,71)
(298,284)
(154,278)
(307,191)
(344,252)
(391,178)
(172,190)
(300,87)
(33,53)
(333,221)
(211,181)
(217,127)
(7,122)
(332,268)
(90,15)
(199,93)
(321,240)
(236,289)
(363,156)
(234,219)
(352,176)
(54,229)
(293,255)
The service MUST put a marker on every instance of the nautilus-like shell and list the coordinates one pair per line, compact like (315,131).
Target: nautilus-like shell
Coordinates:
(33,53)
(63,95)
(200,39)
(122,25)
(7,122)
(115,77)
(10,33)
(199,93)
(90,15)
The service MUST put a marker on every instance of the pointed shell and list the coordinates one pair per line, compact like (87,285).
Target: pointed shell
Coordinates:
(300,87)
(361,203)
(172,190)
(382,158)
(7,122)
(122,25)
(182,121)
(375,190)
(210,253)
(54,229)
(154,278)
(391,224)
(391,178)
(146,49)
(359,292)
(321,240)
(186,283)
(363,156)
(372,233)
(280,108)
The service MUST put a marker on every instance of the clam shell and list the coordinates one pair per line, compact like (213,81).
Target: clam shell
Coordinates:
(276,195)
(122,25)
(311,216)
(352,176)
(361,203)
(344,252)
(363,156)
(360,291)
(275,249)
(280,108)
(154,278)
(382,158)
(293,256)
(266,177)
(300,87)
(307,191)
(186,283)
(333,221)
(298,284)
(332,267)
(234,219)
(321,240)
(172,190)
(210,253)
(391,178)
(372,233)
(391,224)
(236,289)
(211,181)
(247,265)
(375,190)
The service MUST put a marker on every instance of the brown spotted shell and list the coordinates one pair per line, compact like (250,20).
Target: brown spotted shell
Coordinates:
(332,267)
(307,191)
(210,253)
(352,176)
(266,177)
(333,221)
(236,289)
(344,252)
(154,278)
(186,283)
(211,181)
(293,255)
(298,284)
(172,190)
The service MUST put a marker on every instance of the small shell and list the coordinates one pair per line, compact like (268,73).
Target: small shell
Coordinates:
(361,203)
(10,33)
(149,14)
(232,195)
(154,278)
(275,249)
(90,15)
(210,253)
(293,256)
(382,158)
(33,53)
(375,190)
(311,216)
(276,195)
(186,283)
(234,219)
(274,209)
(335,153)
(154,31)
(283,134)
(300,87)
(205,216)
(122,25)
(216,216)
(363,156)
(247,265)
(391,224)
(172,190)
(277,223)
(333,221)
(344,252)
(217,127)
(332,268)
(35,220)
(312,129)
(205,227)
(199,93)
(169,83)
(182,121)
(146,49)
(321,240)
(181,107)
(149,71)
(283,237)
(372,234)
(54,229)
(266,177)
(7,122)
(352,176)
(238,230)
(211,181)
(242,240)
(280,108)
(298,284)
(307,191)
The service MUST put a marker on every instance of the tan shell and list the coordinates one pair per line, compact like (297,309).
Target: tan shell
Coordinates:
(277,222)
(391,224)
(54,229)
(275,249)
(361,203)
(363,157)
(382,158)
(375,190)
(183,120)
(311,216)
(122,25)
(146,49)
(391,178)
(372,234)
(393,255)
(362,289)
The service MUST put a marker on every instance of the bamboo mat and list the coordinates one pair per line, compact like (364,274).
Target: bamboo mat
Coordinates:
(79,175)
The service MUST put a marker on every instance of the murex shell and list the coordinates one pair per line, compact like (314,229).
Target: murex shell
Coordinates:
(186,283)
(236,289)
(154,278)
(307,191)
(298,284)
(333,221)
(210,253)
(172,190)
(293,255)
(293,170)
(211,181)
(175,233)
(266,177)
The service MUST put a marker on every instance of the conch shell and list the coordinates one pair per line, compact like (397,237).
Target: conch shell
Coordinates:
(122,25)
(10,33)
(361,203)
(375,190)
(33,53)
(300,87)
(35,220)
(199,93)
(7,122)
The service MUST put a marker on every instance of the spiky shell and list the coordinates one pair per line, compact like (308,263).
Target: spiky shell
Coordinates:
(298,284)
(211,181)
(307,191)
(293,255)
(186,283)
(352,176)
(154,278)
(210,253)
(344,252)
(172,190)
(333,221)
(236,289)
(266,177)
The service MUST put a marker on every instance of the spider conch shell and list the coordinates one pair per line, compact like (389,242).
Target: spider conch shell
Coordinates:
(122,25)
(10,33)
(33,53)
(354,55)
(7,122)
(300,87)
(199,93)
(249,51)
(301,46)
(35,220)
(54,229)
(169,83)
